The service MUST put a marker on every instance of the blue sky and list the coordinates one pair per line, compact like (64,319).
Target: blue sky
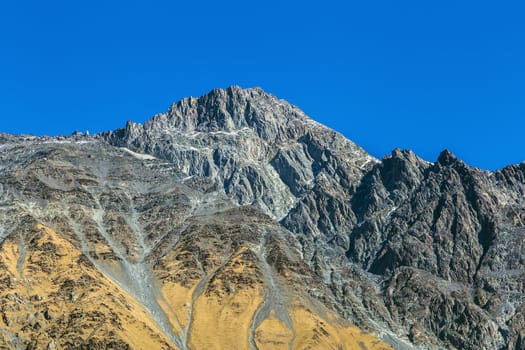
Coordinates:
(424,75)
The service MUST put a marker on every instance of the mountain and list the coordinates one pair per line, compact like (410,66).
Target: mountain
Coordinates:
(234,221)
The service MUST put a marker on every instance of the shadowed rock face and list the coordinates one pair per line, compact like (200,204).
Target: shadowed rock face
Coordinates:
(235,221)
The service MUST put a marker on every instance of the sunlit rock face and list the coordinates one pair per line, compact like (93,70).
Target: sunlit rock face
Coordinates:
(234,221)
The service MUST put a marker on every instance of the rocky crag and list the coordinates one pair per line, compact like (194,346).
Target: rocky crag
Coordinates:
(234,221)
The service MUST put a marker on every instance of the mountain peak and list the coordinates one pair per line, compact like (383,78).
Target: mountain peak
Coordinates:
(227,110)
(234,133)
(446,157)
(230,92)
(238,89)
(230,110)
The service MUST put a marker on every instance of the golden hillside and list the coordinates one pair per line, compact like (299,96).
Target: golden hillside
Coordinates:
(53,297)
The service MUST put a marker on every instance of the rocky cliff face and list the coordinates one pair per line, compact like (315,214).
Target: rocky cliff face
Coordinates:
(235,221)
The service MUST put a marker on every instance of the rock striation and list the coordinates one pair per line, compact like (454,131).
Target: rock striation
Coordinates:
(234,220)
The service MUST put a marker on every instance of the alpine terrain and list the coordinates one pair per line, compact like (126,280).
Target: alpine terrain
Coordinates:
(234,221)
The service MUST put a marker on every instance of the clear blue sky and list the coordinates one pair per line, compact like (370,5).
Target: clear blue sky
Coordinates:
(425,75)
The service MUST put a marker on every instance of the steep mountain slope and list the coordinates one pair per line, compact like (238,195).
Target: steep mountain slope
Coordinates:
(259,150)
(53,297)
(235,221)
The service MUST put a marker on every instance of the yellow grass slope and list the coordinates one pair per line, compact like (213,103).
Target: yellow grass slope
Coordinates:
(273,334)
(52,297)
(316,333)
(221,315)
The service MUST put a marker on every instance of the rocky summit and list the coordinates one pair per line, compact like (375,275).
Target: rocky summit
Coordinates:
(234,221)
